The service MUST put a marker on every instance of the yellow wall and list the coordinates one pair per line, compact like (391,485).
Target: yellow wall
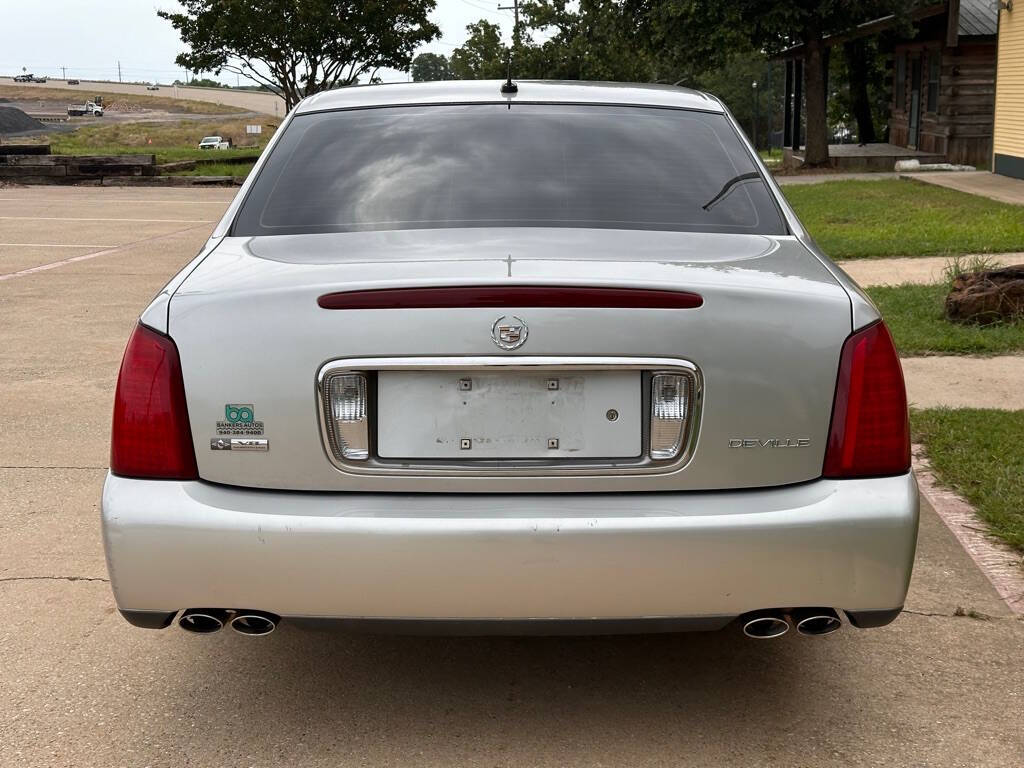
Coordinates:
(1009,127)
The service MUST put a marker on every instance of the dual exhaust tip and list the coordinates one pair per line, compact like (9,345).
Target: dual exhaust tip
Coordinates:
(765,625)
(206,621)
(761,625)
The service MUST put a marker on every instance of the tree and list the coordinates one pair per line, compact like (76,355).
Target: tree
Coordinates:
(770,26)
(733,83)
(299,47)
(483,56)
(205,82)
(589,40)
(863,73)
(428,67)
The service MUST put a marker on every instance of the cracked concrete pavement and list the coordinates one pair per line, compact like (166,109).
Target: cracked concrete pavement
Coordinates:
(80,686)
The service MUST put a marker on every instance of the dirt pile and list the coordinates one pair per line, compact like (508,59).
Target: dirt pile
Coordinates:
(124,106)
(13,120)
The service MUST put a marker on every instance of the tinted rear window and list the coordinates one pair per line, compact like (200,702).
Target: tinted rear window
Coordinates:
(485,165)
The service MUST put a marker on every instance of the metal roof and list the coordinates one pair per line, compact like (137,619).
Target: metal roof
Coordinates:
(978,17)
(554,91)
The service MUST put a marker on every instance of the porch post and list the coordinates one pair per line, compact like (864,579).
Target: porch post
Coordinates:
(787,107)
(798,97)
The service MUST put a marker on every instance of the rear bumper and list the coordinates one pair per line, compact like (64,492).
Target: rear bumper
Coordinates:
(702,556)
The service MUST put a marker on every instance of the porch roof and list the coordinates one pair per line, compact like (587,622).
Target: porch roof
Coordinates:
(974,18)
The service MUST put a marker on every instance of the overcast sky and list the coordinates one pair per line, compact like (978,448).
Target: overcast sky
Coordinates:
(89,38)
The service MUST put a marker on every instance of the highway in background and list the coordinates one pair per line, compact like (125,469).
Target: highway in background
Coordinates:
(254,101)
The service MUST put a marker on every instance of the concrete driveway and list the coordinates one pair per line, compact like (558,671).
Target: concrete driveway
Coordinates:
(80,687)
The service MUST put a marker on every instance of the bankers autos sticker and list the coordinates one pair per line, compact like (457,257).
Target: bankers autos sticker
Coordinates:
(239,419)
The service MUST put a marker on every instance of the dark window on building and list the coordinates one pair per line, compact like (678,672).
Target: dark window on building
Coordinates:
(900,83)
(934,68)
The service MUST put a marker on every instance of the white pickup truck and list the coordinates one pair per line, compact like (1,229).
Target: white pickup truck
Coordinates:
(89,108)
(214,142)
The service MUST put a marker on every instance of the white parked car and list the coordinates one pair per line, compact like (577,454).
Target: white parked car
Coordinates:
(561,359)
(214,142)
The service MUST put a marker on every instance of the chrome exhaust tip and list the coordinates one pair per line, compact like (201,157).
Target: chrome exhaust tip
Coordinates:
(765,625)
(203,621)
(816,621)
(254,623)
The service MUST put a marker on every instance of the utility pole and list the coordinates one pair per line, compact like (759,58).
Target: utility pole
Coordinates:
(63,72)
(515,28)
(119,70)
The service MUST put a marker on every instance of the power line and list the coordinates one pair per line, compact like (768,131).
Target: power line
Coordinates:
(486,9)
(515,29)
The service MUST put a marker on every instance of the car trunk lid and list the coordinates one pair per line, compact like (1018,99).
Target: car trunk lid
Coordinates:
(764,342)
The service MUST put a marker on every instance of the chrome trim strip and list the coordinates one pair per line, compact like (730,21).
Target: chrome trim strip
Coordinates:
(484,468)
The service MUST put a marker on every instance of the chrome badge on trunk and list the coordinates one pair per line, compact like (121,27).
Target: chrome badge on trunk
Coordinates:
(509,332)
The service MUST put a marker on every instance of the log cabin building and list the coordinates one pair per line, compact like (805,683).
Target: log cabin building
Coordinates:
(943,80)
(943,94)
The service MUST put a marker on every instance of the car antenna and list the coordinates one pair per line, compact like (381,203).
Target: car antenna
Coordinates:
(508,86)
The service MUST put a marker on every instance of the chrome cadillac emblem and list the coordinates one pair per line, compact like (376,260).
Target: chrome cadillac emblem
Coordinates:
(509,332)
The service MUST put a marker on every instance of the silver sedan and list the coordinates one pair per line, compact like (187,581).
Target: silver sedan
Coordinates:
(550,358)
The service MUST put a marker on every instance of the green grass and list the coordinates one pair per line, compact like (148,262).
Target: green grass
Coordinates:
(169,141)
(914,315)
(894,217)
(980,454)
(774,160)
(218,169)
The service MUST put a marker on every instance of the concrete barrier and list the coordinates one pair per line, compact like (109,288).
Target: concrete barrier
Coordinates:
(24,149)
(73,169)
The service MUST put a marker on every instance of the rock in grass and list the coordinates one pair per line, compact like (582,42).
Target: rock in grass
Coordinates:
(986,297)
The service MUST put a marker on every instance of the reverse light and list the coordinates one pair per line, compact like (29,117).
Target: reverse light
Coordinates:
(671,396)
(870,432)
(151,436)
(345,405)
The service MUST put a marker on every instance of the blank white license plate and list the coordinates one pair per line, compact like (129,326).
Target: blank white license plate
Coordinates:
(459,415)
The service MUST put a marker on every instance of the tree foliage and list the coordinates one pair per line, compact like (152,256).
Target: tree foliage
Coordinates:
(483,56)
(588,40)
(299,47)
(430,67)
(733,82)
(705,32)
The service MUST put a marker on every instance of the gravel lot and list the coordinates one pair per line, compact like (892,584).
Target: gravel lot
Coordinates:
(79,686)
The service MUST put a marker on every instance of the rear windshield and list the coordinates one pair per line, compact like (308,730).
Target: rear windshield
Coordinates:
(488,165)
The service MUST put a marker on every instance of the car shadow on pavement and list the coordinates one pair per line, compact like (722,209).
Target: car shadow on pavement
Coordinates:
(381,696)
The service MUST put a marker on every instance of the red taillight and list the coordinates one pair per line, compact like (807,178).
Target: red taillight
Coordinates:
(870,434)
(151,436)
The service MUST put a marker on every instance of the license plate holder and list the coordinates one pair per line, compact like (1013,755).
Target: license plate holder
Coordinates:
(471,415)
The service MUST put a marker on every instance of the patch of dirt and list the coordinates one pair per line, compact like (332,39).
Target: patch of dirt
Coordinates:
(124,106)
(13,120)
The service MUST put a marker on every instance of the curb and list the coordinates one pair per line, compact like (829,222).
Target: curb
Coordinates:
(1002,566)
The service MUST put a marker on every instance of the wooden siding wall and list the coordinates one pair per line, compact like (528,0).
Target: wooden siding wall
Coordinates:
(961,126)
(1009,123)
